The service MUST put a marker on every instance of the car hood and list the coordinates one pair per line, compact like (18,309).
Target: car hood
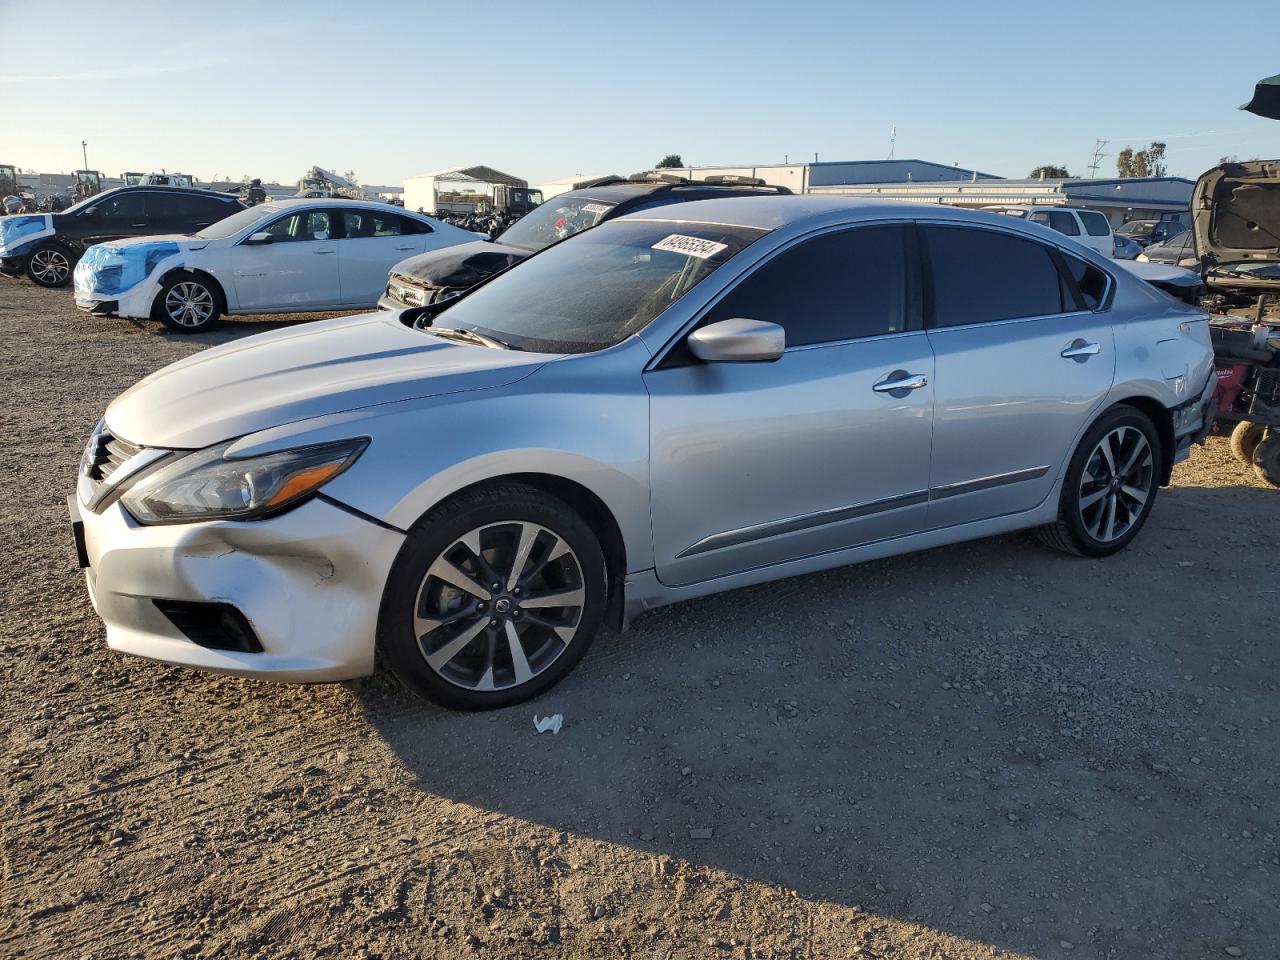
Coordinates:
(1235,213)
(310,371)
(461,266)
(19,229)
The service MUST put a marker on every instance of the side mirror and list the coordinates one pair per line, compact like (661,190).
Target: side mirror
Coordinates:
(255,239)
(738,341)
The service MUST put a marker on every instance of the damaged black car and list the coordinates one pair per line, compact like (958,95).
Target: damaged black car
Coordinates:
(431,277)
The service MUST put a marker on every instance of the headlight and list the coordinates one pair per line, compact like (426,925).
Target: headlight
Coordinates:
(1143,258)
(208,486)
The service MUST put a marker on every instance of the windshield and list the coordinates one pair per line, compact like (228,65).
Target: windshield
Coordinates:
(599,288)
(556,219)
(233,224)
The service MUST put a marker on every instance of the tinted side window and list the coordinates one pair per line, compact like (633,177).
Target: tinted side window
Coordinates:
(312,225)
(1091,281)
(1095,223)
(128,206)
(165,205)
(837,287)
(1064,222)
(982,275)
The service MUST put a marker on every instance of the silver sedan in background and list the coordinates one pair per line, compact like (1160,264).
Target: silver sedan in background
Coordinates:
(678,402)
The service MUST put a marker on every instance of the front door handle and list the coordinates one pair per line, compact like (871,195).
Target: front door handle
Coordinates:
(321,253)
(404,248)
(900,383)
(1080,350)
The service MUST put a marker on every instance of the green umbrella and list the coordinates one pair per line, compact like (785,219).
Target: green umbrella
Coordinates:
(1266,98)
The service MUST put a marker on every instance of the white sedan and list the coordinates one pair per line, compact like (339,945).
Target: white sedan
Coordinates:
(280,257)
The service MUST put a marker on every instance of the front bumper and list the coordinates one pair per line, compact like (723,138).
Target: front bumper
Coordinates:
(308,582)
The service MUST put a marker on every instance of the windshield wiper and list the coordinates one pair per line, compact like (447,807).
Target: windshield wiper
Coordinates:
(469,336)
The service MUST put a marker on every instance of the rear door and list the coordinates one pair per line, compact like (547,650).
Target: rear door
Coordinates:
(754,464)
(372,242)
(1023,360)
(298,270)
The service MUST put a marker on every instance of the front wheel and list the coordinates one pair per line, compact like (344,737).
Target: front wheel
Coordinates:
(187,304)
(494,598)
(1110,486)
(49,266)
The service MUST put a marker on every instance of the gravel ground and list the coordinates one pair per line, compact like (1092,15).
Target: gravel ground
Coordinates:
(985,750)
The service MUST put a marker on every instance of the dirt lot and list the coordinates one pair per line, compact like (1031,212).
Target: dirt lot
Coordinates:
(987,750)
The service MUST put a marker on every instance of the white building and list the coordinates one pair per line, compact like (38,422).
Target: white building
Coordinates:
(575,182)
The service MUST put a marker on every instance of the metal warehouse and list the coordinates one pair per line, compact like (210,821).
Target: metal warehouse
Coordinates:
(923,181)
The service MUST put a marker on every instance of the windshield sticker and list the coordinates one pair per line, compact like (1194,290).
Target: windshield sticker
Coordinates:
(596,207)
(690,246)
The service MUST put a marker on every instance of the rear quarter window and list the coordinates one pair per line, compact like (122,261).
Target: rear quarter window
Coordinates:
(1090,281)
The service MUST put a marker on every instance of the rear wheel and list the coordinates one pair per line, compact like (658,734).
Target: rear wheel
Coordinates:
(494,598)
(49,265)
(1266,458)
(1245,439)
(188,304)
(1110,486)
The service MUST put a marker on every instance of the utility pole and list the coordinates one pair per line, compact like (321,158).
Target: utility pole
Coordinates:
(84,152)
(893,138)
(1097,157)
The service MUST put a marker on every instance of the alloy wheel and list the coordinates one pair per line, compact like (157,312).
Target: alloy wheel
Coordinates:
(50,267)
(1116,484)
(499,606)
(189,304)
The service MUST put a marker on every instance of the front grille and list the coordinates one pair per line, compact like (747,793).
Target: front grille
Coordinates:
(407,294)
(117,452)
(104,455)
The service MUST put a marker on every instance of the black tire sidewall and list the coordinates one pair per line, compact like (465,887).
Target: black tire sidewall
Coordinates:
(71,265)
(1266,458)
(159,313)
(1069,513)
(431,536)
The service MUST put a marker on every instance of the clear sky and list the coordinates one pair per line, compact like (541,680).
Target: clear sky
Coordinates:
(542,90)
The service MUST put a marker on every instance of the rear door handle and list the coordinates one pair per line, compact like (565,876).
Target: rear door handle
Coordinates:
(321,253)
(1080,350)
(404,248)
(899,383)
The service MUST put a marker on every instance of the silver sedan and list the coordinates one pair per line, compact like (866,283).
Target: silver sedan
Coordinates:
(658,409)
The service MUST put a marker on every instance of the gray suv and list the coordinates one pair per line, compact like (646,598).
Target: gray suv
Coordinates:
(678,402)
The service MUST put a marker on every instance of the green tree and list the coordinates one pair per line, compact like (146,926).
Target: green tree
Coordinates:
(670,160)
(1048,171)
(1142,163)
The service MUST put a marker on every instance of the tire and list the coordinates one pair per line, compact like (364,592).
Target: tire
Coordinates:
(188,303)
(488,647)
(49,265)
(1102,508)
(1266,458)
(1245,439)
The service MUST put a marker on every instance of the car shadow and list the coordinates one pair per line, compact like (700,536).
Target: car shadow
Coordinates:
(989,739)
